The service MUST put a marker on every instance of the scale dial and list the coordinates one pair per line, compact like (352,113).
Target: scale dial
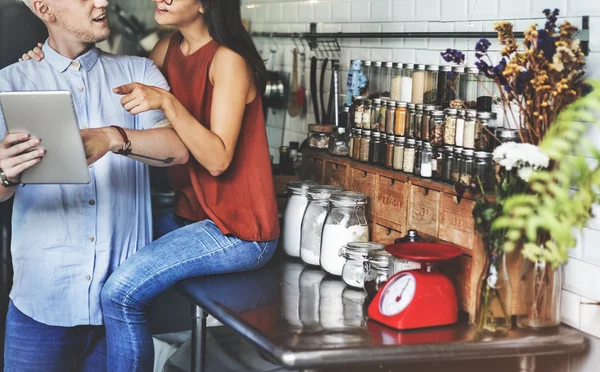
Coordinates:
(397,295)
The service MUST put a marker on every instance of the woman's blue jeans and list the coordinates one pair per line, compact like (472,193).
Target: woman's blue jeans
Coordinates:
(188,249)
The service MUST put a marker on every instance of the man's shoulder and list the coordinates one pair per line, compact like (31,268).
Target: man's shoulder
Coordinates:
(124,60)
(20,70)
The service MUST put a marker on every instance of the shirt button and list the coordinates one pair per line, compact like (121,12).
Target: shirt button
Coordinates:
(87,278)
(80,90)
(91,238)
(76,65)
(92,202)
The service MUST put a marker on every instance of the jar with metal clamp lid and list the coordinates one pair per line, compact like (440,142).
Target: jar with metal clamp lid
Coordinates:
(355,255)
(292,217)
(376,269)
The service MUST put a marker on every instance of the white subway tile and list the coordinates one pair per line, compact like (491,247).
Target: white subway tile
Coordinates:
(380,54)
(569,309)
(405,55)
(415,27)
(247,11)
(261,13)
(577,251)
(350,28)
(428,57)
(381,10)
(592,63)
(341,11)
(323,12)
(537,6)
(360,11)
(290,12)
(274,125)
(454,10)
(441,43)
(488,26)
(595,34)
(466,44)
(360,53)
(392,42)
(403,10)
(428,10)
(300,27)
(482,10)
(275,12)
(594,223)
(370,27)
(257,27)
(583,8)
(591,249)
(332,27)
(510,9)
(306,12)
(582,278)
(590,317)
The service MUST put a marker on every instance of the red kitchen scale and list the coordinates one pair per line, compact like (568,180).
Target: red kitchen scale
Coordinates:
(417,298)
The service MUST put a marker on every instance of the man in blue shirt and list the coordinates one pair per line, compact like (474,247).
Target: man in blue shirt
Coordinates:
(67,239)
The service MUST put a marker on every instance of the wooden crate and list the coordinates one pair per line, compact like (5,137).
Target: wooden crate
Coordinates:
(336,174)
(456,221)
(424,209)
(365,181)
(392,201)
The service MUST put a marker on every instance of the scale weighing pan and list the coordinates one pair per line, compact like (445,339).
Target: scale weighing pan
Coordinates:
(417,298)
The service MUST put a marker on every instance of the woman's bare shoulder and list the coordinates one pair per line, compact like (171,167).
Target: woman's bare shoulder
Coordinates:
(159,52)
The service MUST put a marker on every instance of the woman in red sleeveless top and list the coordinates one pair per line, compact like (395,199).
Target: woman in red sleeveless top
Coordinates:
(225,218)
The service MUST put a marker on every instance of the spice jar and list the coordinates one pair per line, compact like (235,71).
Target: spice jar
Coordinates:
(450,87)
(356,144)
(345,118)
(483,132)
(450,126)
(382,148)
(375,114)
(430,94)
(418,84)
(400,119)
(460,127)
(436,130)
(485,93)
(437,163)
(406,85)
(351,142)
(366,116)
(466,167)
(352,110)
(312,223)
(447,160)
(377,76)
(410,120)
(471,82)
(396,85)
(469,133)
(346,222)
(426,160)
(367,71)
(399,153)
(292,217)
(418,151)
(456,164)
(484,170)
(382,115)
(408,165)
(375,150)
(338,145)
(507,135)
(419,121)
(389,152)
(425,128)
(365,144)
(390,117)
(376,269)
(386,79)
(359,109)
(355,254)
(441,99)
(459,82)
(318,136)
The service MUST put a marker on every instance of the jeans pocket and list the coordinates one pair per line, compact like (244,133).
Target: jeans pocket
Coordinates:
(265,251)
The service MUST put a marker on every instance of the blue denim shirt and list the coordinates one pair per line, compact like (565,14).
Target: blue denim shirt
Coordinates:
(67,239)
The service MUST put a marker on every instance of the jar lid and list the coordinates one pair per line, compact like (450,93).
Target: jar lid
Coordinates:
(409,66)
(367,63)
(420,106)
(472,113)
(410,141)
(449,148)
(429,107)
(380,259)
(299,187)
(420,67)
(458,150)
(390,137)
(483,155)
(507,134)
(360,250)
(451,111)
(388,64)
(366,132)
(368,102)
(400,140)
(400,104)
(346,109)
(284,149)
(358,98)
(348,198)
(377,64)
(460,69)
(432,68)
(377,101)
(419,142)
(445,68)
(321,128)
(391,103)
(356,130)
(322,192)
(398,65)
(484,115)
(437,113)
(427,145)
(468,152)
(462,112)
(376,134)
(473,70)
(383,102)
(411,106)
(341,130)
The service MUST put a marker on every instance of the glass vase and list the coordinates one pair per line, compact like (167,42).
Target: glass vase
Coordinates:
(540,289)
(493,312)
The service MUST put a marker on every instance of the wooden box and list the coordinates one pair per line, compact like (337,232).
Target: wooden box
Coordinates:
(424,208)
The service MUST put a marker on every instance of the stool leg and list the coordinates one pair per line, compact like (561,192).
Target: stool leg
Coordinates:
(198,338)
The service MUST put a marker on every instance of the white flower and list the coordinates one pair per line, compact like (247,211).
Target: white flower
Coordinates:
(524,173)
(524,157)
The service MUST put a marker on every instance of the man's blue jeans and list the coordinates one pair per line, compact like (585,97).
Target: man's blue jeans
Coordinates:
(190,249)
(35,347)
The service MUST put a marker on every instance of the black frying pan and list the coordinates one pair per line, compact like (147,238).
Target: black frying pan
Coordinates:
(313,88)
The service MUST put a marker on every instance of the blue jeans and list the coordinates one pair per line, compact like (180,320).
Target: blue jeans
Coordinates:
(191,249)
(35,347)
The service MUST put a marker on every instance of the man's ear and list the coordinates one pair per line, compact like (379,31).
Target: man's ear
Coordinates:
(43,11)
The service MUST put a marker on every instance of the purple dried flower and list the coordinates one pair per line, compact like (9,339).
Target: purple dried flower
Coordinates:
(522,79)
(453,55)
(484,68)
(546,44)
(482,47)
(451,75)
(552,18)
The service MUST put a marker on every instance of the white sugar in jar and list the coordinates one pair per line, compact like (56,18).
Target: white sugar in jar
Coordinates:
(292,217)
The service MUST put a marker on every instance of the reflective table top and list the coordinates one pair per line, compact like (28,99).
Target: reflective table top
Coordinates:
(302,318)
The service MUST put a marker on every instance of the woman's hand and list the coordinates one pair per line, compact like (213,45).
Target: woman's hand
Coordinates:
(17,154)
(139,98)
(35,54)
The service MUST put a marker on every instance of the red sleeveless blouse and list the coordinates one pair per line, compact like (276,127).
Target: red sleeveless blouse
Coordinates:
(241,201)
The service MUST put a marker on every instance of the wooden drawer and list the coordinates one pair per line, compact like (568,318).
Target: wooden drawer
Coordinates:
(456,221)
(384,235)
(313,168)
(365,182)
(335,174)
(392,201)
(423,214)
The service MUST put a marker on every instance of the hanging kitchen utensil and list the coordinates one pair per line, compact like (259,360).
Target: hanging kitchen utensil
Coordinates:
(293,108)
(275,88)
(313,88)
(324,118)
(333,105)
(301,95)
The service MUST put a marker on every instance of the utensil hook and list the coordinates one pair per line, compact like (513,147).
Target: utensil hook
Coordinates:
(274,46)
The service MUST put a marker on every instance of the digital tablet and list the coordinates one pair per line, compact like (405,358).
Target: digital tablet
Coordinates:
(49,116)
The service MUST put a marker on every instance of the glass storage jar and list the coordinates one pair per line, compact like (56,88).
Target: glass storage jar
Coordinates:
(460,127)
(366,116)
(418,84)
(367,70)
(396,84)
(312,223)
(386,79)
(409,127)
(318,136)
(338,142)
(352,110)
(382,115)
(426,161)
(354,307)
(437,163)
(436,128)
(459,80)
(346,222)
(448,160)
(382,148)
(456,164)
(389,152)
(356,146)
(351,142)
(399,153)
(425,121)
(365,145)
(507,135)
(355,254)
(345,118)
(359,109)
(484,170)
(331,304)
(292,217)
(450,88)
(376,269)
(450,126)
(471,83)
(400,119)
(469,132)
(409,156)
(375,114)
(375,149)
(430,92)
(419,112)
(442,99)
(466,167)
(485,93)
(418,150)
(390,117)
(406,86)
(483,132)
(377,79)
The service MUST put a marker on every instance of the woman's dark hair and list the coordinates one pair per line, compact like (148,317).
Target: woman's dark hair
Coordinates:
(224,21)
